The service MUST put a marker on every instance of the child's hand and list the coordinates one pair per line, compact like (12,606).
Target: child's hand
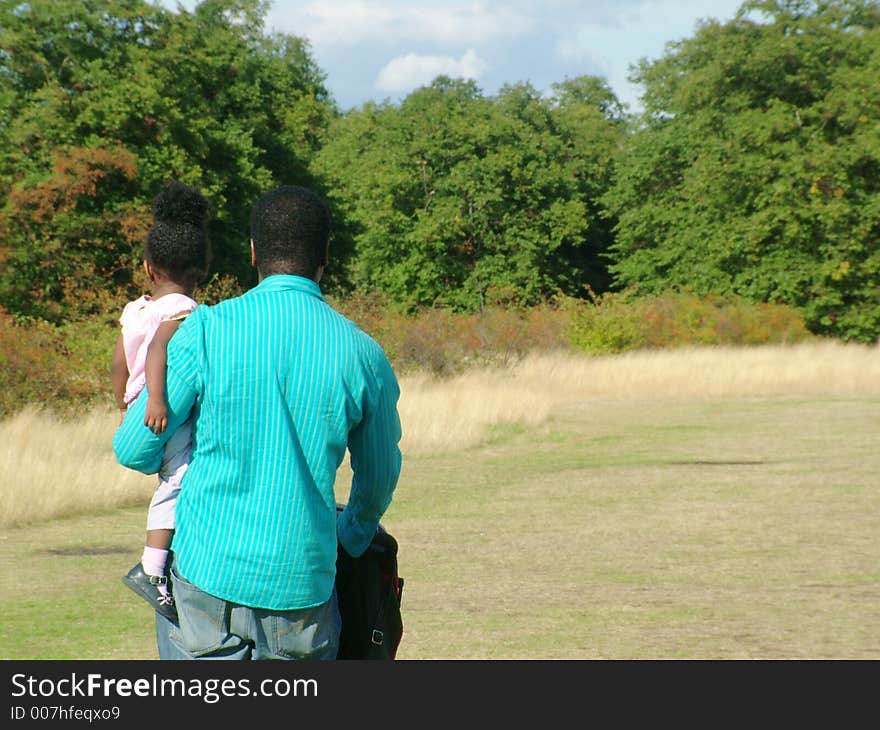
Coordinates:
(155,416)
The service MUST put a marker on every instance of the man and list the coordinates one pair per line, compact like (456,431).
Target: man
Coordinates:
(280,387)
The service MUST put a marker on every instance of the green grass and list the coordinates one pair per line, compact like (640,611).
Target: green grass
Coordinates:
(62,594)
(621,529)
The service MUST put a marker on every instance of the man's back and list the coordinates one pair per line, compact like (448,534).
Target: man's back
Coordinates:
(281,385)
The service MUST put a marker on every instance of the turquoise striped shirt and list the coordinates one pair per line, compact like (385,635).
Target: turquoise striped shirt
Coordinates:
(280,386)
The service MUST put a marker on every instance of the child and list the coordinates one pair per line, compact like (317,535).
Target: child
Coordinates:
(176,261)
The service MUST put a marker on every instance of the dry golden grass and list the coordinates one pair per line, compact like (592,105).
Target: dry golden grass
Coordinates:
(52,468)
(445,415)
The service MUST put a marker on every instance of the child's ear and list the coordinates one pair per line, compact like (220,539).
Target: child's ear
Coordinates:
(148,270)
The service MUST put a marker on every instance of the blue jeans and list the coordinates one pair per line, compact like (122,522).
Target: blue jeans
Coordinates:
(211,628)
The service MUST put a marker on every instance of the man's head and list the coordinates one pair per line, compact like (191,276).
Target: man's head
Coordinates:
(290,230)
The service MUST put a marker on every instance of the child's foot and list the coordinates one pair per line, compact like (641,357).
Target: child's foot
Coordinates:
(154,589)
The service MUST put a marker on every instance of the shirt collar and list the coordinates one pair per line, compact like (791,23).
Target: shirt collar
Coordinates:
(289,282)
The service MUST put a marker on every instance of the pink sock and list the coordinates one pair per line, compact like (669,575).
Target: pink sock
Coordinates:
(154,560)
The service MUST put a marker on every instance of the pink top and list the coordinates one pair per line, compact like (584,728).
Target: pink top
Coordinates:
(140,319)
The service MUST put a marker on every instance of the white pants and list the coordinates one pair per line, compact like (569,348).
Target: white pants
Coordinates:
(174,463)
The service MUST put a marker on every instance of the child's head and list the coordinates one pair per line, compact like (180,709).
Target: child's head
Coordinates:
(177,243)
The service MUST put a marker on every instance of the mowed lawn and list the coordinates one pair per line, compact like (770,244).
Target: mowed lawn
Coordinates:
(618,528)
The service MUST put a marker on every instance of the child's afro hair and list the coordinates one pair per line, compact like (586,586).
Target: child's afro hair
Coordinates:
(177,243)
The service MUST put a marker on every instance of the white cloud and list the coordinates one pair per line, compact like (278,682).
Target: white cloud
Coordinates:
(344,23)
(405,73)
(470,23)
(638,30)
(540,41)
(577,47)
(349,22)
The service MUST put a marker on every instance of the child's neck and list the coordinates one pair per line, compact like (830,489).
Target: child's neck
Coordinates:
(161,288)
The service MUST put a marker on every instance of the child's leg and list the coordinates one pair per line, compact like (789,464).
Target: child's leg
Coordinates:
(149,577)
(155,555)
(160,538)
(160,530)
(160,520)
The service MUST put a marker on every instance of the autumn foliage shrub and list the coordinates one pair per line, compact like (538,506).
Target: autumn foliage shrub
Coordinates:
(442,342)
(65,368)
(60,369)
(617,322)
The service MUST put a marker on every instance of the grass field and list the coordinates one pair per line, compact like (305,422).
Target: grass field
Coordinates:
(696,504)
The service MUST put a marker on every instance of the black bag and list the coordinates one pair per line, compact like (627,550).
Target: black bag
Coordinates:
(369,591)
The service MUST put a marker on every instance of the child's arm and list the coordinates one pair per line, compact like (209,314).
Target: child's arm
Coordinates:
(119,374)
(156,413)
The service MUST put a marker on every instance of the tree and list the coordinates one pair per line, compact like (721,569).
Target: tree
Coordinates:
(452,197)
(755,168)
(135,95)
(75,231)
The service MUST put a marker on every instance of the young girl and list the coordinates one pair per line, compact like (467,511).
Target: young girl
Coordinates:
(176,261)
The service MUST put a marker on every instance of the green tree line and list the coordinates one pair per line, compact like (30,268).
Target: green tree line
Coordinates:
(753,171)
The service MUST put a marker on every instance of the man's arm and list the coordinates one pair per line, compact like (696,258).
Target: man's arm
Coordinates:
(375,461)
(135,445)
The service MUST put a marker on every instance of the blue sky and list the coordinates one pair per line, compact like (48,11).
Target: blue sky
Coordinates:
(384,49)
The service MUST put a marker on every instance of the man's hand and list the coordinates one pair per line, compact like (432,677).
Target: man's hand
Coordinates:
(155,416)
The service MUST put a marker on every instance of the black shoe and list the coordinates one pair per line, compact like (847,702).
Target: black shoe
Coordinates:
(147,587)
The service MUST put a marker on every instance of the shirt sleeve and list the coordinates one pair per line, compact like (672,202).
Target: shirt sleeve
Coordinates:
(129,316)
(134,444)
(172,307)
(375,460)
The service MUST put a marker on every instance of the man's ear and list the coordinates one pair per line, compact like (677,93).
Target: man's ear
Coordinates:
(253,255)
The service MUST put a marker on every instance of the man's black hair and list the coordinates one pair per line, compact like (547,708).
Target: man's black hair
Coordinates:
(290,228)
(177,243)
